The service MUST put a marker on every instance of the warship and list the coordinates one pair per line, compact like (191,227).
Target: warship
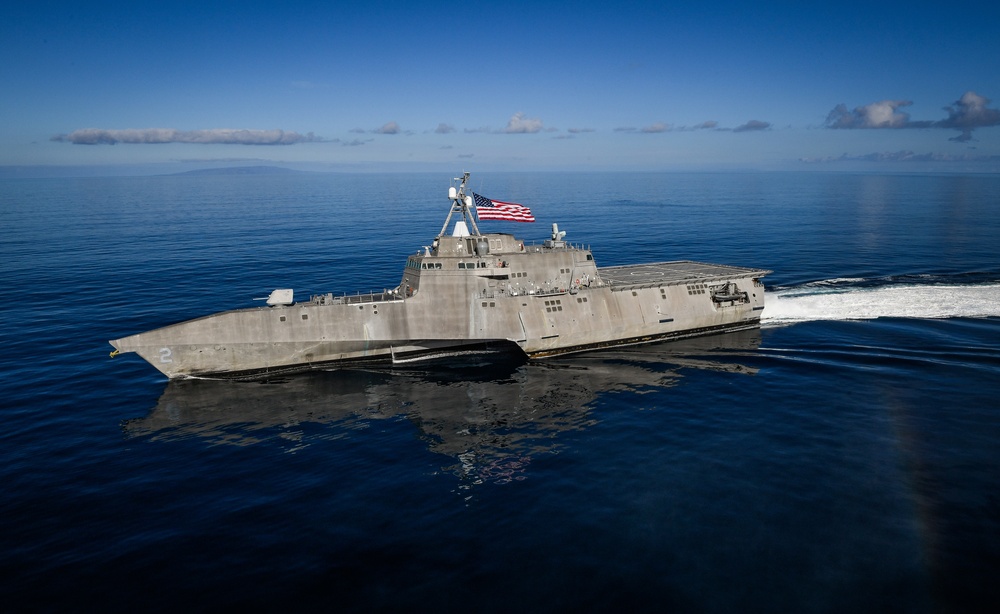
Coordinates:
(467,292)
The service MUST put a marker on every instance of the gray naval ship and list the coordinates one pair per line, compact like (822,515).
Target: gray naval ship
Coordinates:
(466,292)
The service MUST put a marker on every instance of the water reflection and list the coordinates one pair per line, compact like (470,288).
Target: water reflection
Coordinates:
(490,418)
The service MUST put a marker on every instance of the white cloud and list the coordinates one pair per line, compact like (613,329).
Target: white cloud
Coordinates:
(752,126)
(882,114)
(388,128)
(656,128)
(969,112)
(519,124)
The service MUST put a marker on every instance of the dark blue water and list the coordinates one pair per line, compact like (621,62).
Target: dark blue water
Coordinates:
(845,457)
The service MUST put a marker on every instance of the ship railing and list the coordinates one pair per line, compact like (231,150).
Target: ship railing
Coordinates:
(539,292)
(540,246)
(618,285)
(353,299)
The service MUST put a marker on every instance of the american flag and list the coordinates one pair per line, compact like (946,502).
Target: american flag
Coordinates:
(488,209)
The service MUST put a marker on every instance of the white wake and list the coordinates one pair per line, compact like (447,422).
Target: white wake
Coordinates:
(832,301)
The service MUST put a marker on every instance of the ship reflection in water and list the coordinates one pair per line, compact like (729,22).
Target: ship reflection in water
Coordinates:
(489,417)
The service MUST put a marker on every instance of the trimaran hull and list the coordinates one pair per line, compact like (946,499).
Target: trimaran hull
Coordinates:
(468,292)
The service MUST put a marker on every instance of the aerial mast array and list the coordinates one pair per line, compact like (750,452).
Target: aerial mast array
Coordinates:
(460,203)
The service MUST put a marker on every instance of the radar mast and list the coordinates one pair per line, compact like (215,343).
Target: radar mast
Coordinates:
(460,203)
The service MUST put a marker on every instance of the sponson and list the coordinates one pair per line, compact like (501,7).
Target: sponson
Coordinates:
(466,292)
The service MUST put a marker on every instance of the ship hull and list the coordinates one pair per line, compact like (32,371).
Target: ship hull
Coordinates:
(465,292)
(633,307)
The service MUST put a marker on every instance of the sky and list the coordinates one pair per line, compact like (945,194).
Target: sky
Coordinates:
(514,86)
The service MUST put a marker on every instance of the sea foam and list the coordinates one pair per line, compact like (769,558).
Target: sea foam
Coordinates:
(819,301)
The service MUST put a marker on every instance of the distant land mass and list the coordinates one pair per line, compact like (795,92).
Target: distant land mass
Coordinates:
(243,170)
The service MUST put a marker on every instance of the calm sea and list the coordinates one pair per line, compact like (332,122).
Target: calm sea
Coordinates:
(844,458)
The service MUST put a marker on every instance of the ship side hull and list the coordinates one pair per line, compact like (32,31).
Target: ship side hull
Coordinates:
(261,341)
(254,343)
(594,318)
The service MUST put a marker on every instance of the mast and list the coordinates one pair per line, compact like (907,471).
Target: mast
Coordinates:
(460,203)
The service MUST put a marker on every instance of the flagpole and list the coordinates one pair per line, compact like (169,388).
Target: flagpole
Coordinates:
(466,212)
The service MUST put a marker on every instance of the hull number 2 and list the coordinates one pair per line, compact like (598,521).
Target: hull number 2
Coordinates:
(165,355)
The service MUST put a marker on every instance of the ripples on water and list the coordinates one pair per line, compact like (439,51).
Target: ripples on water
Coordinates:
(842,458)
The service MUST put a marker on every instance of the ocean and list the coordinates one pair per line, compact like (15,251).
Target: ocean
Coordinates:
(844,457)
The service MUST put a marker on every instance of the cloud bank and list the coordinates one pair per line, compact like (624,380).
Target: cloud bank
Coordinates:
(903,156)
(754,125)
(655,128)
(659,127)
(218,136)
(969,112)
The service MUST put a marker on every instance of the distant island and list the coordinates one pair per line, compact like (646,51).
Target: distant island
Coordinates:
(243,170)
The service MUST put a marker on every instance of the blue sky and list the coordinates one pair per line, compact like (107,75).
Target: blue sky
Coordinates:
(501,86)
